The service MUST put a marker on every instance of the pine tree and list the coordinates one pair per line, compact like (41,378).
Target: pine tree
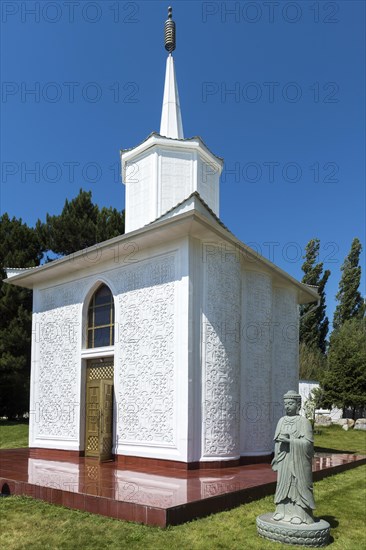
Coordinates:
(80,224)
(350,300)
(344,382)
(19,247)
(110,223)
(313,320)
(73,229)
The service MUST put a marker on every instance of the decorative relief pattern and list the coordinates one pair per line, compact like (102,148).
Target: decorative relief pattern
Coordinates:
(221,356)
(58,340)
(312,535)
(60,295)
(257,334)
(146,357)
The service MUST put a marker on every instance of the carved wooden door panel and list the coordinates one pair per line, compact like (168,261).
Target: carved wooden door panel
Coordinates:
(99,409)
(106,420)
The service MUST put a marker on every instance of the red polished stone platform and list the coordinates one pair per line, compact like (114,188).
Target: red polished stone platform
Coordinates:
(155,495)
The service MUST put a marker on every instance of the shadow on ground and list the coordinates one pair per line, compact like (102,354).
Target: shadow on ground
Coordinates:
(333,522)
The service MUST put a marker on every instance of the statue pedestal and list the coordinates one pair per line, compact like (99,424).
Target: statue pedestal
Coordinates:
(314,535)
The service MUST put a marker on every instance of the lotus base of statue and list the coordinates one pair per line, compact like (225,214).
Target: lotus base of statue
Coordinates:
(312,535)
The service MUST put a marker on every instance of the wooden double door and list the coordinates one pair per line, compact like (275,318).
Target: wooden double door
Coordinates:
(99,408)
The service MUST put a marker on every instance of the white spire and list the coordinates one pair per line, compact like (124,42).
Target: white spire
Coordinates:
(171,119)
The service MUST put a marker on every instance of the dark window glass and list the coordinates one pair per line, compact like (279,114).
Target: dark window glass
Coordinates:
(102,337)
(102,316)
(103,296)
(100,330)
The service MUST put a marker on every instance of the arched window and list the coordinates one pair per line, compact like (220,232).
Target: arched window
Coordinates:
(100,330)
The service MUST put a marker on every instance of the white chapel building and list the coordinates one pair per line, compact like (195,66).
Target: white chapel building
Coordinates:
(173,342)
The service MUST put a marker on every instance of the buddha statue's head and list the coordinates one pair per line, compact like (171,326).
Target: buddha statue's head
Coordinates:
(292,401)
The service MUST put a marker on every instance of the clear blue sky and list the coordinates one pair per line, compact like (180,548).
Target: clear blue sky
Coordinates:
(276,90)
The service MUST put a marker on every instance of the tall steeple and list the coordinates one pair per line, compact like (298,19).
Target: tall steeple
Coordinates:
(166,168)
(171,119)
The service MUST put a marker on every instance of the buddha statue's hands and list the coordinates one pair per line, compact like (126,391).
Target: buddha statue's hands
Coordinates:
(283,438)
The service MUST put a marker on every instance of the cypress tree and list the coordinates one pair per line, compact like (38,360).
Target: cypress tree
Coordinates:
(350,302)
(314,323)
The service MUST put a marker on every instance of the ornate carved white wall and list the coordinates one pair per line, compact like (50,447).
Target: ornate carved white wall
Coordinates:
(144,356)
(248,332)
(57,332)
(221,356)
(146,368)
(256,364)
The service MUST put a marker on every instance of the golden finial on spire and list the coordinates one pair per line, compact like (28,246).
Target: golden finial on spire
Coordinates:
(169,32)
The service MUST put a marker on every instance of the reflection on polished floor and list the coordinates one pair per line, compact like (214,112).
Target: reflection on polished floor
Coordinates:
(154,496)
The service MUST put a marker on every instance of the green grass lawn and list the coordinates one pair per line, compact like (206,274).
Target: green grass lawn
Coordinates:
(336,439)
(13,435)
(30,524)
